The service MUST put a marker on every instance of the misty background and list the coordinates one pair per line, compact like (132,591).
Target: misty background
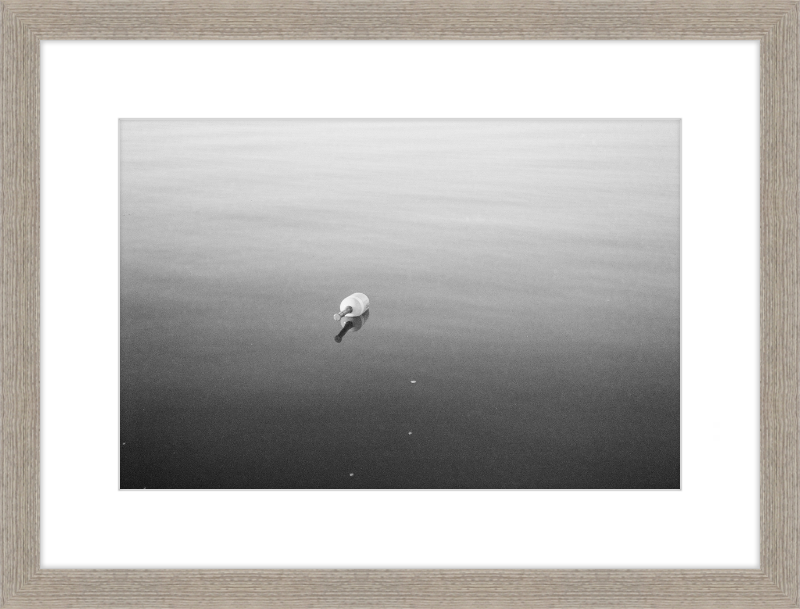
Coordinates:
(524,273)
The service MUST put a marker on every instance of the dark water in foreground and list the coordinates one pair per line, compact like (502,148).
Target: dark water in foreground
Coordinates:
(524,273)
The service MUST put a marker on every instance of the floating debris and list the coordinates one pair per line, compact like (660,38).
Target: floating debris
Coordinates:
(409,433)
(352,474)
(352,306)
(412,382)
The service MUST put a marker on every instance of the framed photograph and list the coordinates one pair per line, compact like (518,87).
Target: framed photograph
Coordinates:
(481,242)
(392,304)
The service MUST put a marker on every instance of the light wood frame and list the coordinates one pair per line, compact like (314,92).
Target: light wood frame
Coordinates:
(26,23)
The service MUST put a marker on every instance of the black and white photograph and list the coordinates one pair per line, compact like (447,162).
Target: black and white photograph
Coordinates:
(400,304)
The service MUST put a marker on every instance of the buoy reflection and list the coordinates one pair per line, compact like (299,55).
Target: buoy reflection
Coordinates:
(351,323)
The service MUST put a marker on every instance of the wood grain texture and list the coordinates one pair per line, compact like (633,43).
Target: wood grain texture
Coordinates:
(24,23)
(780,264)
(399,19)
(19,251)
(434,589)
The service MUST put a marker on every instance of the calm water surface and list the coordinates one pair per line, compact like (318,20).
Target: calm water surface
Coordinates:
(524,273)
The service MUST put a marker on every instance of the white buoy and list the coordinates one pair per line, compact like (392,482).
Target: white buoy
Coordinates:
(353,306)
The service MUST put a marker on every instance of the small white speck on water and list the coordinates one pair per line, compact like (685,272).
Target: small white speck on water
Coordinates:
(352,474)
(409,433)
(412,382)
(123,443)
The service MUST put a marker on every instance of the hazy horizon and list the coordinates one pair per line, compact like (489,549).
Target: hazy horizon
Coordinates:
(526,274)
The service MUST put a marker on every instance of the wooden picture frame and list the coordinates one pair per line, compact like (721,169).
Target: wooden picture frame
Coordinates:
(774,23)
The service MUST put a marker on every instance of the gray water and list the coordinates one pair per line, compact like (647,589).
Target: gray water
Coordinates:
(524,273)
